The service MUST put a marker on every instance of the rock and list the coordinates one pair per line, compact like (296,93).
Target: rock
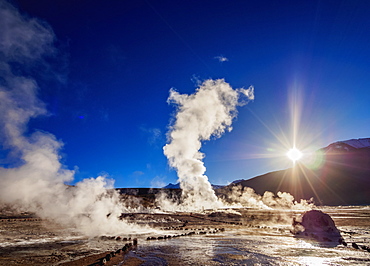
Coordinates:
(317,226)
(103,261)
(341,241)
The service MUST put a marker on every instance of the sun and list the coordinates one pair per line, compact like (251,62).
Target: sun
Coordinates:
(294,154)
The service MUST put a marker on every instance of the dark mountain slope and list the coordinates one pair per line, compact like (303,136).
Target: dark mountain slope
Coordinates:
(342,179)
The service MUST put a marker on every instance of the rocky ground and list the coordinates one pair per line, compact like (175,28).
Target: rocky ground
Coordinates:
(28,240)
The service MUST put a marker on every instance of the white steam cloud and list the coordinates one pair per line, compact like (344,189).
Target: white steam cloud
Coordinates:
(207,113)
(37,181)
(246,197)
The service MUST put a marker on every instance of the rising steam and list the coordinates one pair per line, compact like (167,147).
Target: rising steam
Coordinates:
(245,197)
(207,113)
(36,180)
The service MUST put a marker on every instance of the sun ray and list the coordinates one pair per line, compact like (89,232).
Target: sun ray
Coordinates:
(281,138)
(296,139)
(322,183)
(309,182)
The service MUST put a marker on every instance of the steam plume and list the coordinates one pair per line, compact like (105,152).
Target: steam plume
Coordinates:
(238,196)
(207,113)
(36,180)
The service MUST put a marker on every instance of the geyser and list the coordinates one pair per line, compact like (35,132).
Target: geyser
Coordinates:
(207,113)
(34,180)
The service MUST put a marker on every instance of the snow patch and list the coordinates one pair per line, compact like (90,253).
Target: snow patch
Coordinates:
(357,143)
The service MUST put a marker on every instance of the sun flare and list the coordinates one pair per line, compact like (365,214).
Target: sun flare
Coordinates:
(294,154)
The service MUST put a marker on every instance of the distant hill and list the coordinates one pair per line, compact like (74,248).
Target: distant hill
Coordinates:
(170,185)
(343,178)
(177,185)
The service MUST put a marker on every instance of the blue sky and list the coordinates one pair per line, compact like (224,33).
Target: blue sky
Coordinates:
(107,89)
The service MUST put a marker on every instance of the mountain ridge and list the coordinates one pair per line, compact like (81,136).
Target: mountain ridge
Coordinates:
(177,186)
(342,179)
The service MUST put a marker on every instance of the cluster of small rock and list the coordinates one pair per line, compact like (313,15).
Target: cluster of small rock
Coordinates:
(217,221)
(355,246)
(117,238)
(226,222)
(20,220)
(202,232)
(195,229)
(126,248)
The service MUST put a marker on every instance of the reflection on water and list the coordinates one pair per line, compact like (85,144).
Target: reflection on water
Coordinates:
(244,250)
(315,261)
(251,246)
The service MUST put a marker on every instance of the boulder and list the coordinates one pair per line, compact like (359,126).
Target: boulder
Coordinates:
(317,225)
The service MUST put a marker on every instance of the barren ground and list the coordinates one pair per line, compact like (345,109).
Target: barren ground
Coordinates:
(28,240)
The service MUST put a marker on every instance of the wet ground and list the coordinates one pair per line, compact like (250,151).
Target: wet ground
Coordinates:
(236,237)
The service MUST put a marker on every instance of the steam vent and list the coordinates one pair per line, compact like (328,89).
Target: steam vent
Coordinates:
(318,226)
